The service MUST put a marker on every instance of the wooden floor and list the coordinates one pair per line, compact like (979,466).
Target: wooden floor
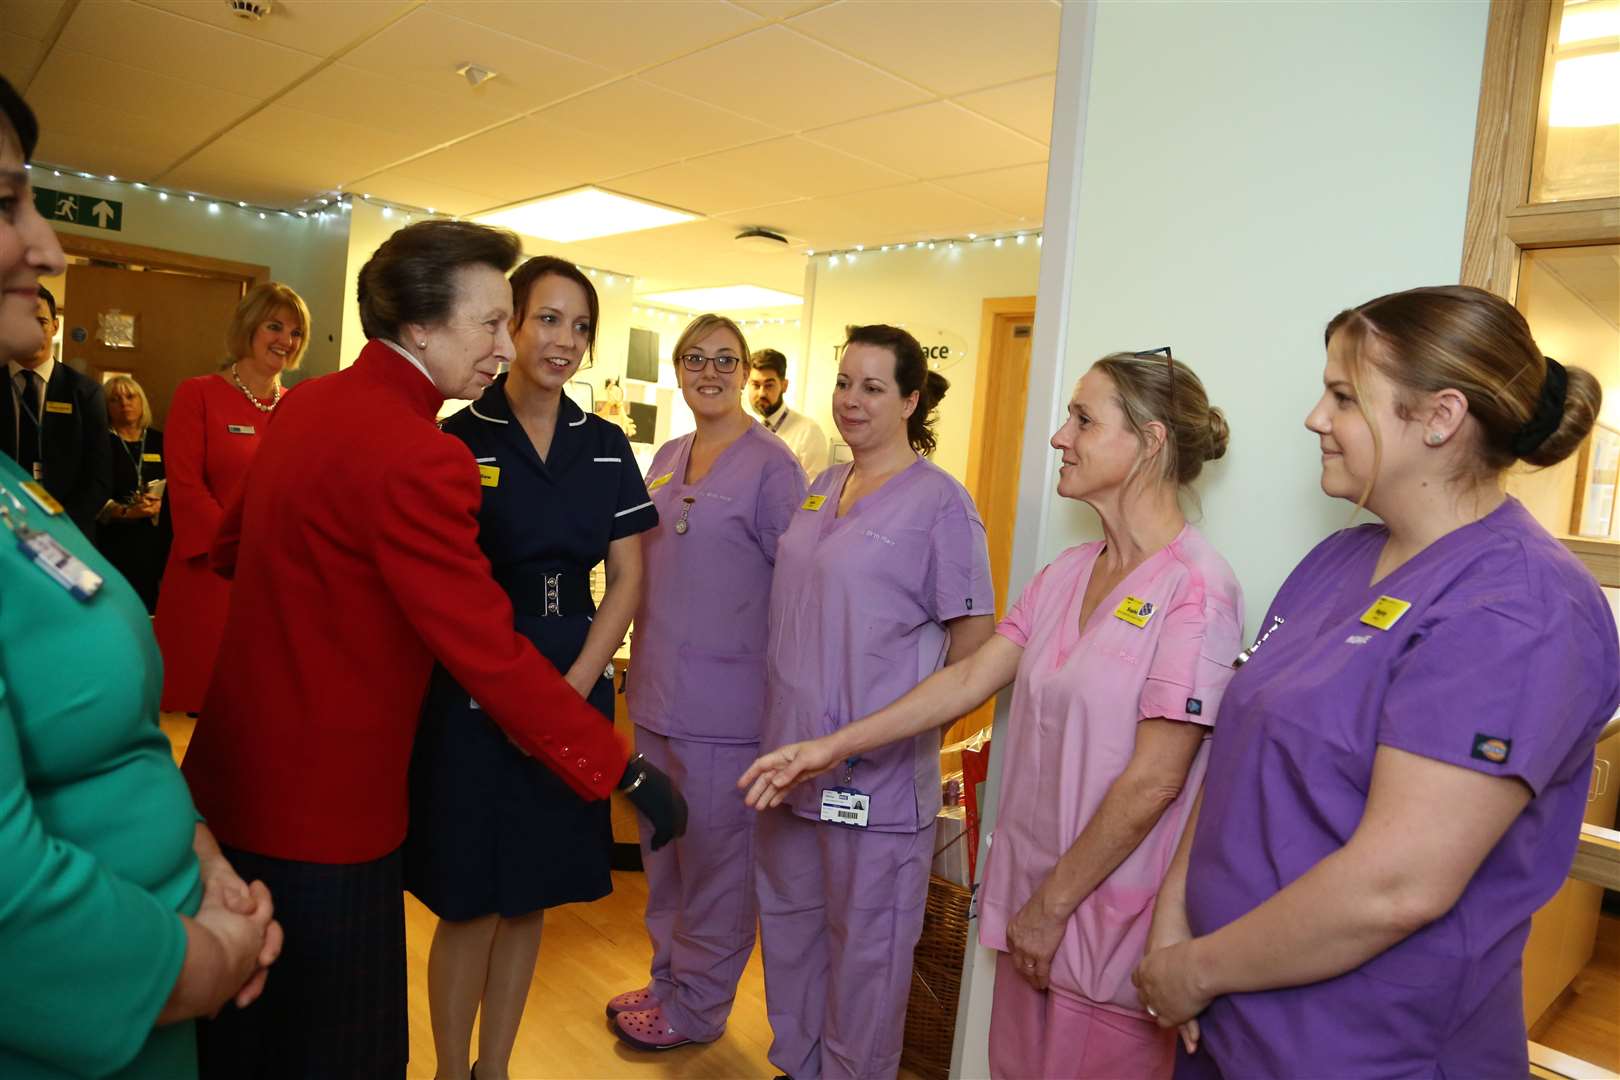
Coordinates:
(1585,1020)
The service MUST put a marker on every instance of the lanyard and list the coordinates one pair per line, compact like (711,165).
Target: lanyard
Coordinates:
(39,423)
(138,460)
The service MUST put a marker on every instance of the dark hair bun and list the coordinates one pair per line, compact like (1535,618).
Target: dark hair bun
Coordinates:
(934,387)
(1216,436)
(1583,400)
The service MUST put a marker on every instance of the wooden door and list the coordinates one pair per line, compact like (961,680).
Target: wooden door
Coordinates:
(993,458)
(179,324)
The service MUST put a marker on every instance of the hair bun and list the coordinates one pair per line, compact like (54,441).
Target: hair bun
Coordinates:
(935,386)
(1216,436)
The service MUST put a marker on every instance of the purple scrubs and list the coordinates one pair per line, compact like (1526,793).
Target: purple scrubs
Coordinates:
(858,609)
(696,693)
(1506,663)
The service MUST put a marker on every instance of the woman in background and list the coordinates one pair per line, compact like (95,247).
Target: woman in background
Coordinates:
(497,837)
(134,533)
(215,425)
(725,494)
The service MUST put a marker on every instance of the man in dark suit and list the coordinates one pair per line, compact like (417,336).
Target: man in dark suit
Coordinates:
(53,421)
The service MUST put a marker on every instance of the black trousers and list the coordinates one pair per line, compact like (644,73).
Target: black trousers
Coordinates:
(334,1005)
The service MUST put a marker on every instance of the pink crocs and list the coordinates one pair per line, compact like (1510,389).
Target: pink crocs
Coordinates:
(648,1029)
(631,1001)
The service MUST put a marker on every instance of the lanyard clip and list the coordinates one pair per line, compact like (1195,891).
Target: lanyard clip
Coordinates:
(849,770)
(1248,654)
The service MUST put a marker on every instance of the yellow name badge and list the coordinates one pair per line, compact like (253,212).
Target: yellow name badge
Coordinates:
(151,457)
(1135,611)
(64,407)
(42,498)
(661,481)
(1385,612)
(812,502)
(489,475)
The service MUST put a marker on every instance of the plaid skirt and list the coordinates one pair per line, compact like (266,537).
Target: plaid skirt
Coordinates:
(334,1005)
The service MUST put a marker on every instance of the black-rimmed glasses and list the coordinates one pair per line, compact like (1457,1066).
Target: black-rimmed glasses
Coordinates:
(725,365)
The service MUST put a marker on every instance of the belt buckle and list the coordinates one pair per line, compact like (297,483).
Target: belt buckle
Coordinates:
(553,589)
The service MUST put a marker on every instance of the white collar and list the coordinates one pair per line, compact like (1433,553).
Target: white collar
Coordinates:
(773,424)
(44,371)
(415,363)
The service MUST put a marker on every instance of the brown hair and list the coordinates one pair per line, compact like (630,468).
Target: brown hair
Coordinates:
(125,382)
(769,360)
(1152,387)
(911,375)
(254,309)
(1466,339)
(411,278)
(525,277)
(702,326)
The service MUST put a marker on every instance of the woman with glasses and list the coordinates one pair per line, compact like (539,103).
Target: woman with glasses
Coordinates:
(1118,653)
(496,837)
(696,689)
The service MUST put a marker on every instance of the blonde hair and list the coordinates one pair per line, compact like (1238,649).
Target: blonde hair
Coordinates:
(124,382)
(1151,387)
(254,309)
(1461,338)
(704,325)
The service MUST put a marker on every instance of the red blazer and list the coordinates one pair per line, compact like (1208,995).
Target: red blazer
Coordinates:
(354,548)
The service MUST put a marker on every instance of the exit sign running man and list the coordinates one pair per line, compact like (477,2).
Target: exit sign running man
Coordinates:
(79,209)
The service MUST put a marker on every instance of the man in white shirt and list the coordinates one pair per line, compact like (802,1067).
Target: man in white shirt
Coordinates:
(767,382)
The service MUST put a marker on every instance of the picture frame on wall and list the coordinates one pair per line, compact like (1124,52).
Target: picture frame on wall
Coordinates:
(1597,483)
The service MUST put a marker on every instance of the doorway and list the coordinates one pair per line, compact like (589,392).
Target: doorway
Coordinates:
(1006,331)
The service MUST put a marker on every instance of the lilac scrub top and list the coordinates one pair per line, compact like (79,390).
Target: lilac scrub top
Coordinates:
(1506,663)
(697,667)
(1072,730)
(858,609)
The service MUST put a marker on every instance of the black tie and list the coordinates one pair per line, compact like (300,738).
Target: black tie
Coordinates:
(28,421)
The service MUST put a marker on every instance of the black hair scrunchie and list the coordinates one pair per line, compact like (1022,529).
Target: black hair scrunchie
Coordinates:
(1549,411)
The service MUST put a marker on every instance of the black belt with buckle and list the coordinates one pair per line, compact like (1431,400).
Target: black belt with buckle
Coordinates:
(548,591)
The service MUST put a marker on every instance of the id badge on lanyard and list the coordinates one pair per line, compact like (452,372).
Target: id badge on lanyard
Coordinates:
(44,550)
(845,804)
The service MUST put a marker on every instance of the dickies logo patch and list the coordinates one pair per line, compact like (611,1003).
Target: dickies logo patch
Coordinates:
(1195,707)
(1492,748)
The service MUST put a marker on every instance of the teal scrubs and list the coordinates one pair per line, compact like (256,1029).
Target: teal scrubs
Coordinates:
(96,826)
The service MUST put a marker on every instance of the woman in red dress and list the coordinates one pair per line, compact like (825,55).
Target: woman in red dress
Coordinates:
(214,427)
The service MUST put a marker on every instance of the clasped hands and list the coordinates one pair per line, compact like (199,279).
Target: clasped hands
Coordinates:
(241,919)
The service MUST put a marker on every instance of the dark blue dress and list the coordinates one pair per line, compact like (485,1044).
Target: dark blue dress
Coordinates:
(492,831)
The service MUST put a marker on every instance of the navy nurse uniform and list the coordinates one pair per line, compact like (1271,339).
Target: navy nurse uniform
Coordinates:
(493,831)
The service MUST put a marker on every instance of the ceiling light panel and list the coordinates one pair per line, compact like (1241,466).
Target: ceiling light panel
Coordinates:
(582,214)
(724,298)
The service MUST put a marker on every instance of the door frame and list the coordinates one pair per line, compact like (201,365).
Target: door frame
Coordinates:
(117,251)
(988,387)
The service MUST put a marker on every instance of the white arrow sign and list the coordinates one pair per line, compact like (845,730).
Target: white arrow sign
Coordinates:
(101,212)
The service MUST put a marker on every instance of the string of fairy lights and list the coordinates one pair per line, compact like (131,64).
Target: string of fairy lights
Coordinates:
(336,203)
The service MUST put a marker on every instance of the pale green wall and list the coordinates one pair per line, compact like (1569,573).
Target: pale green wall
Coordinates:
(1249,170)
(304,253)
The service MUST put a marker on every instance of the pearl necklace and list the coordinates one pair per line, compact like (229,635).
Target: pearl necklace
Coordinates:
(257,404)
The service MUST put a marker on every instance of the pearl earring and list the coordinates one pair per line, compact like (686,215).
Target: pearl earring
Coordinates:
(1435,438)
(421,344)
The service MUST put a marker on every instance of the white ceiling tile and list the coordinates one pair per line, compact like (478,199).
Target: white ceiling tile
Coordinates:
(951,46)
(229,183)
(621,36)
(288,144)
(430,116)
(30,18)
(908,210)
(76,150)
(78,118)
(659,122)
(192,112)
(695,254)
(781,78)
(1025,106)
(158,41)
(704,189)
(427,46)
(397,186)
(321,27)
(802,168)
(937,139)
(1020,190)
(19,56)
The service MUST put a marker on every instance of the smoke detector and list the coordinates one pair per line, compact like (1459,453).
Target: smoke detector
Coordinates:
(475,74)
(251,10)
(759,239)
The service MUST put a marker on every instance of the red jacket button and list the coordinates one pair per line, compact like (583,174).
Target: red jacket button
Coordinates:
(596,778)
(581,763)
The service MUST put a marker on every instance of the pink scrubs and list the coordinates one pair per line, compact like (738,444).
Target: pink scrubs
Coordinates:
(696,693)
(1076,702)
(1506,663)
(858,610)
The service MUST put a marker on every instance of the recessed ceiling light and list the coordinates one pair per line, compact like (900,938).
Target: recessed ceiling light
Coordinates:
(725,298)
(583,214)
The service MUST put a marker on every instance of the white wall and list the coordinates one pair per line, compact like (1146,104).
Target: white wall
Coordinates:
(937,295)
(1250,169)
(304,253)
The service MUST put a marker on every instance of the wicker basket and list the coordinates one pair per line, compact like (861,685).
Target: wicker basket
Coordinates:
(936,981)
